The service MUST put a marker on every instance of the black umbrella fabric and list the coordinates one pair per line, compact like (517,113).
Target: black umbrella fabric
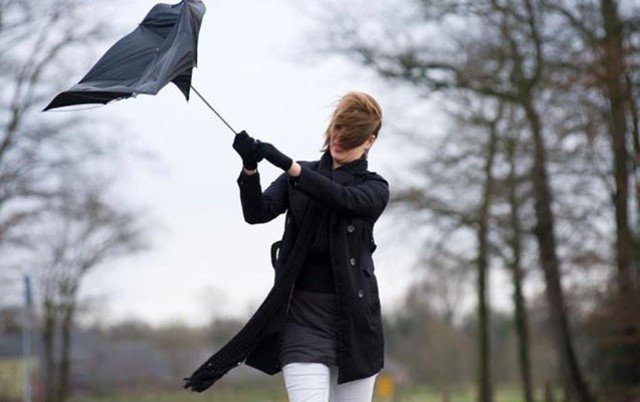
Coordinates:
(162,49)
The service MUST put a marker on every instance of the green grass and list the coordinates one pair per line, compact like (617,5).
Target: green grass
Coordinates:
(427,394)
(278,394)
(504,393)
(214,395)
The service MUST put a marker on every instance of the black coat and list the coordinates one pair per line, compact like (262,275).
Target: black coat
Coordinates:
(356,198)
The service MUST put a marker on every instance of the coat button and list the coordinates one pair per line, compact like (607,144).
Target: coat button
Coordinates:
(361,293)
(352,261)
(351,228)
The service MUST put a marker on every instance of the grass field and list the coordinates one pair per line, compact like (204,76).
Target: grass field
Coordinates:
(272,394)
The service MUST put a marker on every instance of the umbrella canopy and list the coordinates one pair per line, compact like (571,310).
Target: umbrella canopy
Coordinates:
(162,49)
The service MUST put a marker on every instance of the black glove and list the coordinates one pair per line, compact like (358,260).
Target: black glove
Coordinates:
(271,153)
(245,146)
(200,381)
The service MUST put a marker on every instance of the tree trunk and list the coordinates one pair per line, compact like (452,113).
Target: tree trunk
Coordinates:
(48,344)
(485,392)
(613,66)
(548,392)
(522,331)
(635,116)
(624,353)
(65,353)
(547,247)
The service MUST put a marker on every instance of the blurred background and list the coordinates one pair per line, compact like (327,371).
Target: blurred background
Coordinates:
(509,255)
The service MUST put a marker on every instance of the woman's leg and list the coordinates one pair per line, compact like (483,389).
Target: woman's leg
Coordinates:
(353,391)
(308,382)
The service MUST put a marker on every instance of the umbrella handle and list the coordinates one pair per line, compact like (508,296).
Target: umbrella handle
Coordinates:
(214,111)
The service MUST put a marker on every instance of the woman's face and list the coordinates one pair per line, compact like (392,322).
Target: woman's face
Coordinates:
(342,155)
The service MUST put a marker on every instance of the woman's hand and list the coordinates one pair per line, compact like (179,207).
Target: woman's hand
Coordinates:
(245,146)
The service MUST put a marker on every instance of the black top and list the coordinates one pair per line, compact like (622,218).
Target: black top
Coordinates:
(310,332)
(316,274)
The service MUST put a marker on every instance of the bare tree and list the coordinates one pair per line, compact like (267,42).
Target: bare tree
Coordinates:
(500,53)
(603,33)
(51,215)
(472,142)
(606,32)
(80,231)
(37,41)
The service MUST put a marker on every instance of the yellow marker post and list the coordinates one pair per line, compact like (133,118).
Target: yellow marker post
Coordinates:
(385,387)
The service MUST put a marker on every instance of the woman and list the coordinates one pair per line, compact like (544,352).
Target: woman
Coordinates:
(321,321)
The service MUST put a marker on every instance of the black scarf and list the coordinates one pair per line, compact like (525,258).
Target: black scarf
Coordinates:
(321,213)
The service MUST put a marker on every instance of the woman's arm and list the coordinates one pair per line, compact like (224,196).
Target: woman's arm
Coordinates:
(259,207)
(367,199)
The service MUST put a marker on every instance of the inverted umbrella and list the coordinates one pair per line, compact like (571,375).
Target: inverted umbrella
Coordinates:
(162,49)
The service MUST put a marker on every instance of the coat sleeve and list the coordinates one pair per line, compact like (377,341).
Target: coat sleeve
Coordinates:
(259,207)
(367,199)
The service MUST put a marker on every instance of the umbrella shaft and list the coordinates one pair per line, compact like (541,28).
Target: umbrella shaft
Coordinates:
(214,111)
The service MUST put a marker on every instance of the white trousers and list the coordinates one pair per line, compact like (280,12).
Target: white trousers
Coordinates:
(317,382)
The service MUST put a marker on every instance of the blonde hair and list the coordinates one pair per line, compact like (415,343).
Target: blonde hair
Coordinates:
(361,117)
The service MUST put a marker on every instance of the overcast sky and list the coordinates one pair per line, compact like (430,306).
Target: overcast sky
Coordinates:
(205,259)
